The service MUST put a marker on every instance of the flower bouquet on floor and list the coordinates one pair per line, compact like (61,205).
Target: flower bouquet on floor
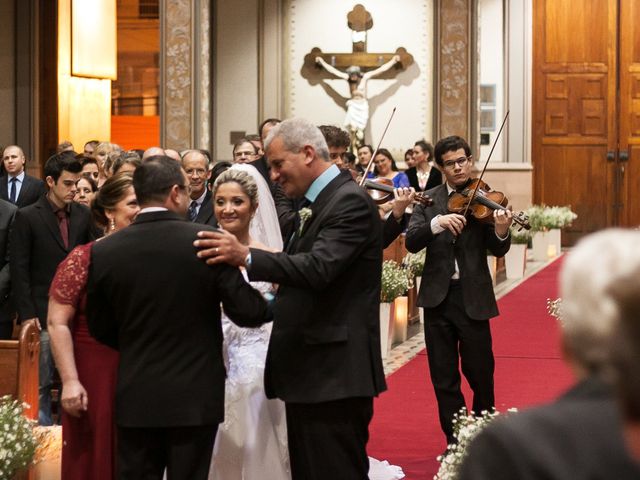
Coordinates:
(17,442)
(465,428)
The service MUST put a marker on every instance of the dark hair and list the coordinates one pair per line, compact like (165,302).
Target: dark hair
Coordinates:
(335,136)
(128,157)
(92,183)
(367,146)
(450,144)
(217,169)
(154,179)
(88,160)
(93,143)
(268,121)
(60,162)
(112,191)
(244,140)
(349,158)
(408,152)
(386,153)
(426,147)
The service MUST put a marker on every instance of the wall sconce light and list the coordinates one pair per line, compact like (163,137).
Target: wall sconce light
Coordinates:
(94,50)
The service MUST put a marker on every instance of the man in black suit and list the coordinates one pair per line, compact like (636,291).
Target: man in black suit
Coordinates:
(580,435)
(42,236)
(7,213)
(151,298)
(324,353)
(196,165)
(16,186)
(456,291)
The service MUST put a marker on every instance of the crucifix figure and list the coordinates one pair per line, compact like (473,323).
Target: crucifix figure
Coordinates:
(358,68)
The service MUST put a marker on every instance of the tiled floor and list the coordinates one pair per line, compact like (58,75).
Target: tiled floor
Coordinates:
(400,354)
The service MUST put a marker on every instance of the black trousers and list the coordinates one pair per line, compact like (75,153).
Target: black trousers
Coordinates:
(328,440)
(144,453)
(453,339)
(6,329)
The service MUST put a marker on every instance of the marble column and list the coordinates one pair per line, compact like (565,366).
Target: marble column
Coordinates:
(185,74)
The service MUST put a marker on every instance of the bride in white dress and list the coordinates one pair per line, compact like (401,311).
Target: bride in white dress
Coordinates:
(252,442)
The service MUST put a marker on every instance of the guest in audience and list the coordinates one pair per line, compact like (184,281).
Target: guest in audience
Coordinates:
(42,236)
(385,167)
(87,368)
(170,385)
(171,153)
(86,188)
(408,158)
(102,155)
(65,146)
(90,148)
(251,443)
(16,186)
(257,142)
(266,126)
(364,157)
(196,166)
(456,291)
(338,141)
(422,176)
(126,162)
(7,214)
(580,434)
(244,151)
(152,152)
(90,169)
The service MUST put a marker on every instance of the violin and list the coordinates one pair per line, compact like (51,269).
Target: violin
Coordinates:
(480,201)
(381,190)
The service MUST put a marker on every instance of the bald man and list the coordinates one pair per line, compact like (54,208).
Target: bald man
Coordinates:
(16,186)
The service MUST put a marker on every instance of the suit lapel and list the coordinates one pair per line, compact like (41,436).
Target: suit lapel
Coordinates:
(50,220)
(26,185)
(323,198)
(206,210)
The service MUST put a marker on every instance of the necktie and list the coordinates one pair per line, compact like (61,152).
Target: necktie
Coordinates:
(63,222)
(193,211)
(12,195)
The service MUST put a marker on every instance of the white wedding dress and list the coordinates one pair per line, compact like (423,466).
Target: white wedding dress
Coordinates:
(251,444)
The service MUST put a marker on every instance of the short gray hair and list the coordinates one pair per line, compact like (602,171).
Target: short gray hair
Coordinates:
(295,133)
(589,312)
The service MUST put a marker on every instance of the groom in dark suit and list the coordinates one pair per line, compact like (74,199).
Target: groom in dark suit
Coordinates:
(154,301)
(456,291)
(324,354)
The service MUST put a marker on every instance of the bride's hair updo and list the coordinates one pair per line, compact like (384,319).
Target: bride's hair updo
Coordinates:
(113,190)
(244,179)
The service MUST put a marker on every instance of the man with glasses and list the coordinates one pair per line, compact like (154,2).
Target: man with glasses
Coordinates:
(457,292)
(196,166)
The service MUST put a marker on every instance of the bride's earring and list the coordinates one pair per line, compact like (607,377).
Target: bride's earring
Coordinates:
(112,225)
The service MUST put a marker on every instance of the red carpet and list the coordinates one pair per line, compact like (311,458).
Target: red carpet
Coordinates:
(529,371)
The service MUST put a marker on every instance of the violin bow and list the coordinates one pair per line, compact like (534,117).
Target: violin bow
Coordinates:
(366,171)
(495,142)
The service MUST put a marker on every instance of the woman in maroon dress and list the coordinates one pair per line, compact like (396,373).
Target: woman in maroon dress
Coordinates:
(87,368)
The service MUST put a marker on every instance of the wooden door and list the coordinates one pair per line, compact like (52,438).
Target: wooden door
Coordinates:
(582,120)
(629,138)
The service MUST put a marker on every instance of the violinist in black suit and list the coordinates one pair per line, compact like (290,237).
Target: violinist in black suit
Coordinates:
(42,236)
(16,186)
(196,165)
(151,298)
(422,176)
(324,356)
(456,291)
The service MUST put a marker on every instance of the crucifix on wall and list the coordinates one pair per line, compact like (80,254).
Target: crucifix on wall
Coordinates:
(358,67)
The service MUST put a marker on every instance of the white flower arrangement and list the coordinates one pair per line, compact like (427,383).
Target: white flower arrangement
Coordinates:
(520,236)
(543,218)
(414,262)
(465,428)
(395,281)
(17,442)
(305,214)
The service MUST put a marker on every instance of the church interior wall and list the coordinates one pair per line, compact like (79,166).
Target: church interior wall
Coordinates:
(7,77)
(324,25)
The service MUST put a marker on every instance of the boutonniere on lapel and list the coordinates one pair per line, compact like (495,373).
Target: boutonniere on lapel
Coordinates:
(305,214)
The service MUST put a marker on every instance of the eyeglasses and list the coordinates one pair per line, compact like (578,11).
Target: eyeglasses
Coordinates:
(244,154)
(461,162)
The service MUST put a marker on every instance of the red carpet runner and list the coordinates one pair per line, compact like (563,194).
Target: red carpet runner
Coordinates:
(529,371)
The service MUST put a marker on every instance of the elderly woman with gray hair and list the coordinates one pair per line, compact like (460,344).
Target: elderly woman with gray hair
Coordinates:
(579,436)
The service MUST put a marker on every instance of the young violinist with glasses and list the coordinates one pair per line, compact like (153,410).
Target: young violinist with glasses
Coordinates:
(457,291)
